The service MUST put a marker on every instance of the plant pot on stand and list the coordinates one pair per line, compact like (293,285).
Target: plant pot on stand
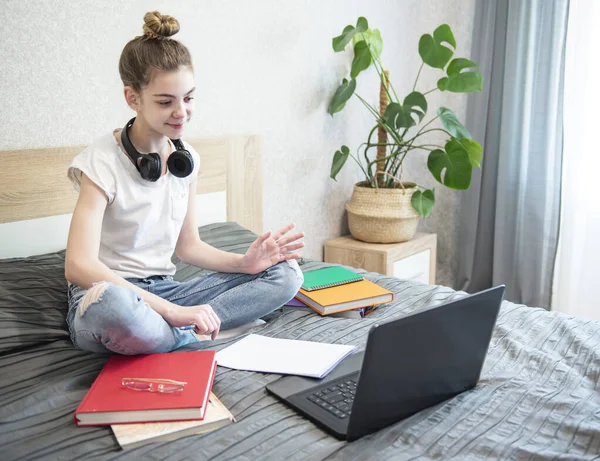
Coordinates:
(382,215)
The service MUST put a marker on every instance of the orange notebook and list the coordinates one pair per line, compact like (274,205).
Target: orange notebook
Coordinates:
(109,402)
(345,297)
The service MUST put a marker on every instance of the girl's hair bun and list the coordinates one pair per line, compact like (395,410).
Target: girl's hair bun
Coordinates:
(158,25)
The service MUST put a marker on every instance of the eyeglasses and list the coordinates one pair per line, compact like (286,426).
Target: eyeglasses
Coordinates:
(164,386)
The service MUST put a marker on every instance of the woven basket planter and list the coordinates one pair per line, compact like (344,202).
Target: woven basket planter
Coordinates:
(382,215)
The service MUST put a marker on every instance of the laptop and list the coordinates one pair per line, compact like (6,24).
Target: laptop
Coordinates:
(408,364)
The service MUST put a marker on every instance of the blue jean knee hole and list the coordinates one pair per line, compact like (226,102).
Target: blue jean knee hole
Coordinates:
(93,295)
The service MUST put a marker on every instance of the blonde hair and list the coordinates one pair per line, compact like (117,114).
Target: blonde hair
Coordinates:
(153,51)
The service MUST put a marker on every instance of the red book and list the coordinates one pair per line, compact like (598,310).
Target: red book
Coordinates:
(110,402)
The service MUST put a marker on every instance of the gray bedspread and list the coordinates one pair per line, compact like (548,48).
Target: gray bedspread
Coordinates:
(538,397)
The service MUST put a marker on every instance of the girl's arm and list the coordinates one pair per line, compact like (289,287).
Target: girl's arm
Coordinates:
(266,251)
(191,250)
(83,267)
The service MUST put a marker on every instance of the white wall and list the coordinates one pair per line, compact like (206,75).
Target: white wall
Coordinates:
(262,66)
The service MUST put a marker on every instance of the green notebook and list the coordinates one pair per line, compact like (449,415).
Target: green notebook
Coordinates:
(328,277)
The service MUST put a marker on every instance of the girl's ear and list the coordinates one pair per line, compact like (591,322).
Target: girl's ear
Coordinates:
(132,98)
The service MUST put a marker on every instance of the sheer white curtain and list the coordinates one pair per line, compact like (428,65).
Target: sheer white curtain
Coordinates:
(577,270)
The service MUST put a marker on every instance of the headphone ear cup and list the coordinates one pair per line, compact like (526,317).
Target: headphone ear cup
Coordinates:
(180,163)
(150,167)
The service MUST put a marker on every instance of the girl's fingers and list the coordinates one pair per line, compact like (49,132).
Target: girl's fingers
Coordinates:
(293,247)
(279,234)
(206,324)
(260,240)
(210,327)
(217,328)
(291,238)
(217,321)
(284,230)
(201,327)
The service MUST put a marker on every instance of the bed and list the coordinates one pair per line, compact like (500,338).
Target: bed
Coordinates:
(538,397)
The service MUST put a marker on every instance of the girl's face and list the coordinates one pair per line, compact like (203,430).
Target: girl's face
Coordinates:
(166,104)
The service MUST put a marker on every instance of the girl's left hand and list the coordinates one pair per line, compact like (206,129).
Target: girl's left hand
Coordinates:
(270,249)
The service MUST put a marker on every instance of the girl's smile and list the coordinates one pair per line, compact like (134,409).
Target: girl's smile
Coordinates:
(176,126)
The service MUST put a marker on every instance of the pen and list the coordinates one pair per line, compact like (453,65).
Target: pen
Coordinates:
(187,327)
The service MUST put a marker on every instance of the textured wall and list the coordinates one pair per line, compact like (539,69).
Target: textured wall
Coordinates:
(261,67)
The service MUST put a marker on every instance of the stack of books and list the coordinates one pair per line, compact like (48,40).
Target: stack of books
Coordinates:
(155,397)
(338,291)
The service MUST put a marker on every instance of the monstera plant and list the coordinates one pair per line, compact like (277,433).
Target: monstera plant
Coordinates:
(404,125)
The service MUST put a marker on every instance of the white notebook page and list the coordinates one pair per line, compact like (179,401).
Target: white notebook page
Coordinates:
(283,356)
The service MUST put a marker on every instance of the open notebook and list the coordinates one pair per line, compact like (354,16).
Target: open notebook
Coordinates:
(283,356)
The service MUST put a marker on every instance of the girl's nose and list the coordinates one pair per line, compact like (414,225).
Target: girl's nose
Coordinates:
(179,111)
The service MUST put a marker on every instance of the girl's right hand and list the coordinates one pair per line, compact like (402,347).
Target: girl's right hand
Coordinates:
(206,320)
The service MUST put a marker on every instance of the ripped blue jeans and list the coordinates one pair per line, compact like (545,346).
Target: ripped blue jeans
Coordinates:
(115,319)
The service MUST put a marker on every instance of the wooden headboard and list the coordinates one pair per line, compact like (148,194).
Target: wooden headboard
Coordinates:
(34,184)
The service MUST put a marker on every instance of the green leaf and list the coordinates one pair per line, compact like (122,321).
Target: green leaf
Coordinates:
(467,82)
(373,39)
(395,116)
(451,167)
(339,159)
(400,115)
(451,123)
(423,201)
(361,24)
(458,81)
(431,49)
(341,96)
(362,58)
(474,151)
(417,104)
(340,42)
(459,64)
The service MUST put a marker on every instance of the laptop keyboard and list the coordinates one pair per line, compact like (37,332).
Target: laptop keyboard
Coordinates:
(337,399)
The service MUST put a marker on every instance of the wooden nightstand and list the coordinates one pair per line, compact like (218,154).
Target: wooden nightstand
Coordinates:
(414,260)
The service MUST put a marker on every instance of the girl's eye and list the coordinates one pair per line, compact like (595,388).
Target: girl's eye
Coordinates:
(164,103)
(188,99)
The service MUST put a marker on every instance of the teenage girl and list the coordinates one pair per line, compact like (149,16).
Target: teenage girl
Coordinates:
(136,207)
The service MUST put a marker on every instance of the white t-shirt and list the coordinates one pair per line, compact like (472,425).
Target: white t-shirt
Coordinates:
(143,219)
